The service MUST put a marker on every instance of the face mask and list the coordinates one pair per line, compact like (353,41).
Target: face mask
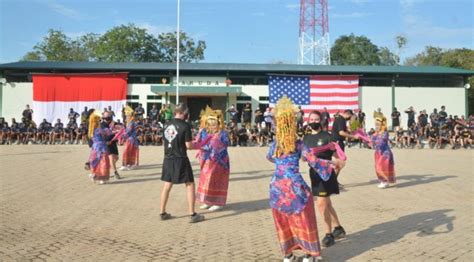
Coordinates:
(315,126)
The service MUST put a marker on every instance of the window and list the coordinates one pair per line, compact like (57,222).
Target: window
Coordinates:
(153,97)
(244,98)
(133,97)
(263,98)
(262,107)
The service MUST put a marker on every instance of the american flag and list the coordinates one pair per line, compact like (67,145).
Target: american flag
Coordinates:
(335,93)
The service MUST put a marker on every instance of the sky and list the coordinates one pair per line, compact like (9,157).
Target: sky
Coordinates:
(241,31)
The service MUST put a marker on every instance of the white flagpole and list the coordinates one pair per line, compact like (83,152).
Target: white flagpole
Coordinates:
(177,57)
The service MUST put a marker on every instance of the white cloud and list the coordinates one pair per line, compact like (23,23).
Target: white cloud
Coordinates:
(422,32)
(156,29)
(65,11)
(351,15)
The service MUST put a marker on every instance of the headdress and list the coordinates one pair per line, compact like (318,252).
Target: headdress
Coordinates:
(129,113)
(210,113)
(383,122)
(285,126)
(94,121)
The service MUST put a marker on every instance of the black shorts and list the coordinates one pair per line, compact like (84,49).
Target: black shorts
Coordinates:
(321,188)
(177,170)
(113,149)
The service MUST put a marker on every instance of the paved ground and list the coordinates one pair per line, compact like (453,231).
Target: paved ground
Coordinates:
(51,211)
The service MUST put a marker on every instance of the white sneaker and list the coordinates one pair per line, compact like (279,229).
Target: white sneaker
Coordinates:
(91,177)
(123,168)
(101,182)
(382,185)
(132,167)
(204,206)
(289,258)
(215,208)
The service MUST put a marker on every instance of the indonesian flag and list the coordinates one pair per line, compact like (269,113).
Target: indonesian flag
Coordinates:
(55,94)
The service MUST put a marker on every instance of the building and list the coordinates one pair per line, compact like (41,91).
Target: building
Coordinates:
(220,85)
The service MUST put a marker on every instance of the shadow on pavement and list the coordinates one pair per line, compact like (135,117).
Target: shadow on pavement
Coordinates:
(244,207)
(424,223)
(407,180)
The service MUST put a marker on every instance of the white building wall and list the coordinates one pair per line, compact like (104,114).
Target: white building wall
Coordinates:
(255,91)
(15,97)
(429,98)
(373,97)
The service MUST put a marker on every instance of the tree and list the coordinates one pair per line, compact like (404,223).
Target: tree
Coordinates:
(56,46)
(387,58)
(430,56)
(189,51)
(401,43)
(125,43)
(354,50)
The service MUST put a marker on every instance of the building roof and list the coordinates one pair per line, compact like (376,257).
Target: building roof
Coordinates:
(230,67)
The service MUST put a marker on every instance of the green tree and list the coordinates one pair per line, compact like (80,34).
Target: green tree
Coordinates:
(56,46)
(401,43)
(386,57)
(127,43)
(189,50)
(430,56)
(354,50)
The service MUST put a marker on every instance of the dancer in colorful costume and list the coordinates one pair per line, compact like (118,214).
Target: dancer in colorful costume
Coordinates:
(384,163)
(131,151)
(212,142)
(290,197)
(99,162)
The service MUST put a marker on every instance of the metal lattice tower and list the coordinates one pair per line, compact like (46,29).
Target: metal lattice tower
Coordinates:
(314,46)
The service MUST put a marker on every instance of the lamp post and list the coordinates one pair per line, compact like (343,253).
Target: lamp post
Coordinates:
(177,55)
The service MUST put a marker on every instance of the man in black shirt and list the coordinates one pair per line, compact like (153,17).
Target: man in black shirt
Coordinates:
(395,119)
(28,113)
(320,188)
(176,166)
(325,117)
(339,128)
(411,116)
(442,116)
(247,116)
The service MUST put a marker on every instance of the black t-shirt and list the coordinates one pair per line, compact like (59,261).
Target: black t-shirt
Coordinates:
(396,116)
(176,133)
(247,114)
(27,113)
(320,139)
(411,115)
(338,125)
(442,116)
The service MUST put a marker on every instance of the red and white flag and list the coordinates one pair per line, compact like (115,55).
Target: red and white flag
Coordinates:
(335,93)
(55,94)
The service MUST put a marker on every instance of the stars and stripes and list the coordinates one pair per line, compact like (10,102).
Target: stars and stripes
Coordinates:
(335,93)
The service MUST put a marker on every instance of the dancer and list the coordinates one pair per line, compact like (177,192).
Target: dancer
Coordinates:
(131,150)
(99,162)
(290,196)
(176,166)
(214,160)
(112,140)
(384,164)
(323,187)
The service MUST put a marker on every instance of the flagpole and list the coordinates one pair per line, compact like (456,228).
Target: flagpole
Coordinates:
(177,56)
